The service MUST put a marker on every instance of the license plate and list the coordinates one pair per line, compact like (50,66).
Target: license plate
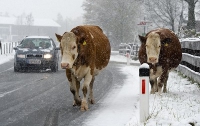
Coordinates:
(34,61)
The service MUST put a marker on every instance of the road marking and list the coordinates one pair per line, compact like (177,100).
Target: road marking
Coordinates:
(7,69)
(3,94)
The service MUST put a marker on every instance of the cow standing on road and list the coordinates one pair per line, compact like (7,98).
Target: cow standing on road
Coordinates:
(85,52)
(161,49)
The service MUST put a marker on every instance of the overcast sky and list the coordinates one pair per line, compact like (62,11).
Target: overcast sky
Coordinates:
(43,8)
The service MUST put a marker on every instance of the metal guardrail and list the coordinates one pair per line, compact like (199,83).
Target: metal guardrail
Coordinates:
(190,64)
(130,48)
(7,47)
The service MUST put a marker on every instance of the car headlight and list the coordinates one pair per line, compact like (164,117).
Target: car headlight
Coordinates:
(20,55)
(47,56)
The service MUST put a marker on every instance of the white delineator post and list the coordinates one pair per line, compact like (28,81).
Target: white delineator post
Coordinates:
(144,91)
(128,58)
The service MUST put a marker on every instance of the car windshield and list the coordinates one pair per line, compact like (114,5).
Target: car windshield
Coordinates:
(36,43)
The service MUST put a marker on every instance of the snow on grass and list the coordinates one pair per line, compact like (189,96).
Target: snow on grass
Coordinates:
(179,107)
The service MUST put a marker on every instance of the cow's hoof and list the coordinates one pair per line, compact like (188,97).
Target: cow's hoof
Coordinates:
(77,102)
(160,91)
(164,90)
(152,92)
(92,101)
(84,106)
(74,104)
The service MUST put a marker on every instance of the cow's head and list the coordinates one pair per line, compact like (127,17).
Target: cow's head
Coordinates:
(69,49)
(153,43)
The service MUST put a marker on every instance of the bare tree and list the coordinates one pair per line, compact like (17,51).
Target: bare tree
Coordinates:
(29,22)
(118,18)
(191,24)
(23,24)
(164,13)
(61,22)
(21,31)
(29,19)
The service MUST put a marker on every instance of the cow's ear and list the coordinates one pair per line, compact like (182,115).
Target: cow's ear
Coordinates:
(142,39)
(166,41)
(80,35)
(82,38)
(59,37)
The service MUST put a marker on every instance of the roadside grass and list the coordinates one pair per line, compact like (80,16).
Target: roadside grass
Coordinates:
(189,79)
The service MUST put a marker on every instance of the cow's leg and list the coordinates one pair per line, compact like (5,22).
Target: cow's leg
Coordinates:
(91,97)
(155,85)
(154,88)
(86,83)
(153,81)
(165,84)
(74,87)
(77,100)
(77,87)
(162,81)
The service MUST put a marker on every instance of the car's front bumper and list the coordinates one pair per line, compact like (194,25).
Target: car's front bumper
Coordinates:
(25,63)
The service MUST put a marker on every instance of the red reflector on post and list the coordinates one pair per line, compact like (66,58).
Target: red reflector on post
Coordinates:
(143,86)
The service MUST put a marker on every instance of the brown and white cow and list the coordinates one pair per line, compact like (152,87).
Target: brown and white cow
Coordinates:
(85,52)
(161,49)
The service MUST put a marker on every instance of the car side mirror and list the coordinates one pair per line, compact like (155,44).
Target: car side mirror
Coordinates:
(57,48)
(15,48)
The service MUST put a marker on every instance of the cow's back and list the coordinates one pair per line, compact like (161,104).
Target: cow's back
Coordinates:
(96,47)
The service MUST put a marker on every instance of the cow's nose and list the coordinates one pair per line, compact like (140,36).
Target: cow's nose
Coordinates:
(152,59)
(64,65)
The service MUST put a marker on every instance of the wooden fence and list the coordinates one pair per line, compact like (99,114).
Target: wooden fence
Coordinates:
(190,64)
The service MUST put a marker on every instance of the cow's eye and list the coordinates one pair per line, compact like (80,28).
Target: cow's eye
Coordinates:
(73,47)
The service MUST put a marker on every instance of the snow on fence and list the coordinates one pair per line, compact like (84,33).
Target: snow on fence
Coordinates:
(190,64)
(7,47)
(130,48)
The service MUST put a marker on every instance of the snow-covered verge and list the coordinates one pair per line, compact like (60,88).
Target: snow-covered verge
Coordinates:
(179,107)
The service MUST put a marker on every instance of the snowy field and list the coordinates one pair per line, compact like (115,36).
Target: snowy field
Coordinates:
(179,107)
